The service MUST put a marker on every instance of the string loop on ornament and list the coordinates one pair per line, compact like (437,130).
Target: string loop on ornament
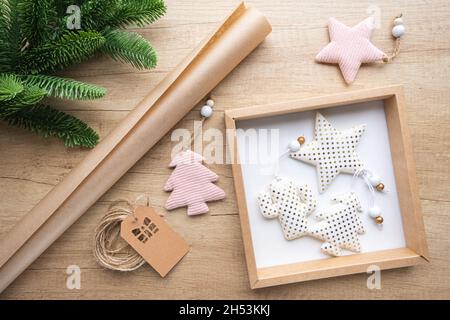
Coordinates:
(395,52)
(364,174)
(193,136)
(277,164)
(294,146)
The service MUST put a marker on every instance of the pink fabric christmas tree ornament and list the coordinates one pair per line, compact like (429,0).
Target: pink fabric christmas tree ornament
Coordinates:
(350,47)
(191,184)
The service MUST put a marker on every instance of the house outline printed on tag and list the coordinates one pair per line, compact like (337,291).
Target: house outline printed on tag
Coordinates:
(150,235)
(146,230)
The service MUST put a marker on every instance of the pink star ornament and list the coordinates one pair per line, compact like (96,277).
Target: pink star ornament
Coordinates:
(350,47)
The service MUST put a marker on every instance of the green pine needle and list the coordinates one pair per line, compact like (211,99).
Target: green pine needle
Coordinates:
(11,38)
(93,13)
(28,97)
(120,13)
(69,49)
(130,47)
(36,18)
(47,122)
(136,12)
(10,86)
(65,88)
(5,11)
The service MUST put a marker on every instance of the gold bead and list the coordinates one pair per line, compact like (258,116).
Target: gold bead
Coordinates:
(380,187)
(379,220)
(301,139)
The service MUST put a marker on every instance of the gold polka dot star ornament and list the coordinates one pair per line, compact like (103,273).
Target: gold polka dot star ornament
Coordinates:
(332,151)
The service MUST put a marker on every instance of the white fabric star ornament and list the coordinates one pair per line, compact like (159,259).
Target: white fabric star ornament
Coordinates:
(350,47)
(332,151)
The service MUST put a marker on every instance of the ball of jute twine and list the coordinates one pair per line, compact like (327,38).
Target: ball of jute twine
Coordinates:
(107,252)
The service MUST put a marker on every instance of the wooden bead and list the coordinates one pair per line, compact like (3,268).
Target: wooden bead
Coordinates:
(380,187)
(398,21)
(379,220)
(301,139)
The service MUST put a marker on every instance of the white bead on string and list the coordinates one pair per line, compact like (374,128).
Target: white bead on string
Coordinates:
(398,30)
(398,21)
(373,182)
(294,146)
(374,211)
(206,111)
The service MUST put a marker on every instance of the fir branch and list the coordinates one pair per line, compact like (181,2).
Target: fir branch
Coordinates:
(129,47)
(93,13)
(36,18)
(46,121)
(65,88)
(34,40)
(28,97)
(11,39)
(10,86)
(135,12)
(5,20)
(69,49)
(5,13)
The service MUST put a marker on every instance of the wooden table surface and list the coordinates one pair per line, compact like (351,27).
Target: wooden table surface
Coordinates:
(281,69)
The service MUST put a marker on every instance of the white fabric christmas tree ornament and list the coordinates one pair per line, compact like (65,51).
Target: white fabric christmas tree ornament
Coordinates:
(340,225)
(290,203)
(332,151)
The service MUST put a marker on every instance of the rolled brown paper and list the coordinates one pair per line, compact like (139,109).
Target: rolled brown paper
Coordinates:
(152,118)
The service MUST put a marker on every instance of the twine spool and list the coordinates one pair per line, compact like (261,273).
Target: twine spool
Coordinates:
(107,234)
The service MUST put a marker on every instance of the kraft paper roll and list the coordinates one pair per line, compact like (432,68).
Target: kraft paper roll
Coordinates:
(152,118)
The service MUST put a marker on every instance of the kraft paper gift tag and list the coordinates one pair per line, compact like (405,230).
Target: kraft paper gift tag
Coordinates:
(148,234)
